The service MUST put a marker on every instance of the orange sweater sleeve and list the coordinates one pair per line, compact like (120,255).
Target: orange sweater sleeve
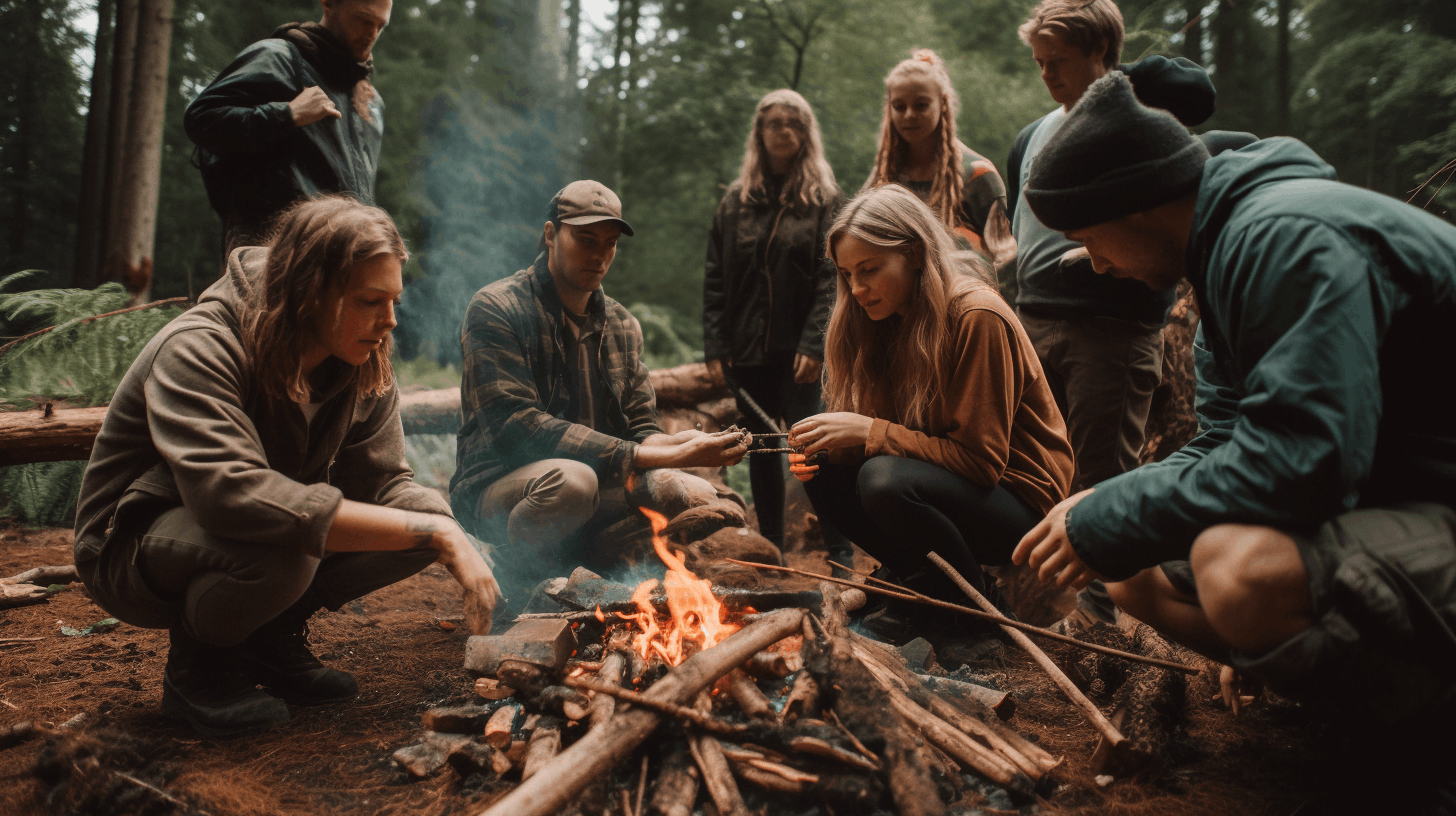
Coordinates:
(978,407)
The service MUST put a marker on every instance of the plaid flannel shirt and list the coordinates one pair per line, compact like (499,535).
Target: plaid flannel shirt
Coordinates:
(516,387)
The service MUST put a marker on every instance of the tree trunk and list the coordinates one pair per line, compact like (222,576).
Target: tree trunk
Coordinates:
(123,68)
(133,235)
(573,41)
(1193,31)
(1283,88)
(91,215)
(27,105)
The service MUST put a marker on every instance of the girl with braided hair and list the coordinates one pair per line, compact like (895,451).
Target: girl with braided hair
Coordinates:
(918,149)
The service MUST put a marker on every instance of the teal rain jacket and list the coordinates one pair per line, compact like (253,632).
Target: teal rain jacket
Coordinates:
(1323,358)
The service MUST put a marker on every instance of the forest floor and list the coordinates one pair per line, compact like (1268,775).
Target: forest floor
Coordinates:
(1275,759)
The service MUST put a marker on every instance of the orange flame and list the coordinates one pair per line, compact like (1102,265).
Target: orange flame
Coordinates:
(697,615)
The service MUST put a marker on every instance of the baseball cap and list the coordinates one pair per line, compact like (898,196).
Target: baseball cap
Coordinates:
(587,202)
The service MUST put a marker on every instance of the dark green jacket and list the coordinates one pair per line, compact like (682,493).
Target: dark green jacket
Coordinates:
(514,391)
(255,161)
(1328,318)
(768,285)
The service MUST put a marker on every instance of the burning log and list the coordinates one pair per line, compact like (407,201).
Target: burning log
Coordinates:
(747,695)
(554,785)
(699,719)
(1110,735)
(545,742)
(717,776)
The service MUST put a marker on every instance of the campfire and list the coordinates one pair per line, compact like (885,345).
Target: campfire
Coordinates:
(761,700)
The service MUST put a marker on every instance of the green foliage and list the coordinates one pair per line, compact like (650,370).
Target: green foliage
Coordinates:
(78,362)
(665,337)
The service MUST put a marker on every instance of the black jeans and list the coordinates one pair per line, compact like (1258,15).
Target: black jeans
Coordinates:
(773,388)
(899,509)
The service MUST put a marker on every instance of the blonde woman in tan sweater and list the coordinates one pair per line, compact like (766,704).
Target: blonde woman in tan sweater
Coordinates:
(942,432)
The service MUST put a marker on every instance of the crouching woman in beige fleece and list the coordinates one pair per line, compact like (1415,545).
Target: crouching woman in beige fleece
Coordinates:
(251,471)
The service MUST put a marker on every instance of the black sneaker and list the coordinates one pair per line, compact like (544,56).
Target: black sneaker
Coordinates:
(204,685)
(276,654)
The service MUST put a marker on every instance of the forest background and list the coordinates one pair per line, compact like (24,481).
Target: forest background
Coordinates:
(493,104)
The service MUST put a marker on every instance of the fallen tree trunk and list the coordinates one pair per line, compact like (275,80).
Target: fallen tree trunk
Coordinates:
(47,435)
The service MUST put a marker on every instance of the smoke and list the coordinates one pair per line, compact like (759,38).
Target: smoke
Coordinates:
(486,175)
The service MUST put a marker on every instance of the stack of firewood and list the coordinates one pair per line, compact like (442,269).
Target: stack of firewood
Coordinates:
(791,710)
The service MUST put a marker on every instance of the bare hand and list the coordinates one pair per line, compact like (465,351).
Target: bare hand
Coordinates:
(482,591)
(715,373)
(1236,689)
(806,368)
(313,105)
(841,429)
(1049,551)
(713,450)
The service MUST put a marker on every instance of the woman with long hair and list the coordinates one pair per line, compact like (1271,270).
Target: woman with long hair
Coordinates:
(251,471)
(943,435)
(918,150)
(768,286)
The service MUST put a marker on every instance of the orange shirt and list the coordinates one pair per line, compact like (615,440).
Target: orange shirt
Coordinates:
(997,422)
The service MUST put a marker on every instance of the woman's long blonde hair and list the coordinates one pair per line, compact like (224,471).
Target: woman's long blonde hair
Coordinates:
(313,249)
(810,181)
(896,368)
(894,152)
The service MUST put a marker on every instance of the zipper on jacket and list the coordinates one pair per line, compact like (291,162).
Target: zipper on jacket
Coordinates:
(768,276)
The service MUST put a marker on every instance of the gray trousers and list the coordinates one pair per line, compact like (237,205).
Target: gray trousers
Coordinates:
(547,512)
(1102,373)
(219,589)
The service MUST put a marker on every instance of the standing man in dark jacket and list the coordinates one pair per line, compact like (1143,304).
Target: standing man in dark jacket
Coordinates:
(1316,505)
(293,115)
(559,411)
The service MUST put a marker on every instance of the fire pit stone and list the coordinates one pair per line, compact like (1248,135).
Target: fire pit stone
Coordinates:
(544,642)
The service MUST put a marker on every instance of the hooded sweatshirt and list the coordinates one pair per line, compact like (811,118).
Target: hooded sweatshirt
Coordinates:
(188,426)
(1326,309)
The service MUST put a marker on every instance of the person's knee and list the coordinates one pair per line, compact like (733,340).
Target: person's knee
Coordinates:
(881,483)
(1139,595)
(570,488)
(223,608)
(1252,584)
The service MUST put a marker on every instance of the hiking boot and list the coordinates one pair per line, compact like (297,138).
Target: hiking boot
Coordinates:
(1094,606)
(277,655)
(204,685)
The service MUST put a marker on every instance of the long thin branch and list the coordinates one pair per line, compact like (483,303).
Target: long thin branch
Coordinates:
(86,320)
(911,595)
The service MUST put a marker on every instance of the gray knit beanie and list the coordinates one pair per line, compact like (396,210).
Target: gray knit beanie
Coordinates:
(1112,157)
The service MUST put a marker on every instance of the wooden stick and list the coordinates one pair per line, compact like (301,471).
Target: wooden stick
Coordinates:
(83,321)
(1109,732)
(702,720)
(543,746)
(641,787)
(717,776)
(602,748)
(677,786)
(502,722)
(603,706)
(803,698)
(994,616)
(750,698)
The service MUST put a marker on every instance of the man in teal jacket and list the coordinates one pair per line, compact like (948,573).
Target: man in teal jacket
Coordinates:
(1306,537)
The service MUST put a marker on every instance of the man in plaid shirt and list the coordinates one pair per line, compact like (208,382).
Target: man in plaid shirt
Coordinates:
(558,409)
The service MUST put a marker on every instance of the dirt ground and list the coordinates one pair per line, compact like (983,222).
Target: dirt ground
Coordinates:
(336,759)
